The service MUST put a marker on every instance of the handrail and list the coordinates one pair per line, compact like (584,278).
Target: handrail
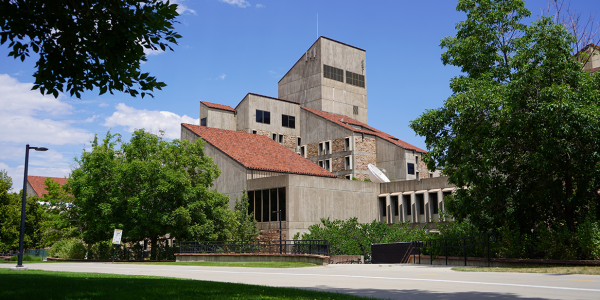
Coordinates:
(457,243)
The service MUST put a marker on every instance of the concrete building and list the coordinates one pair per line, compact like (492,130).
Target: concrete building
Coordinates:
(295,153)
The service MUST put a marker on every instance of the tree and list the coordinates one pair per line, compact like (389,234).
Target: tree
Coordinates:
(87,44)
(520,131)
(60,221)
(149,188)
(245,226)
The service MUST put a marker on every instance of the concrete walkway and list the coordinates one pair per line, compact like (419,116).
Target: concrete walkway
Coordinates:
(379,281)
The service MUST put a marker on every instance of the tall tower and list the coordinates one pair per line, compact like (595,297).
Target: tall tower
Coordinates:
(331,76)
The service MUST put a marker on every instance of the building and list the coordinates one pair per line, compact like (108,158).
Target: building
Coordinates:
(306,152)
(36,186)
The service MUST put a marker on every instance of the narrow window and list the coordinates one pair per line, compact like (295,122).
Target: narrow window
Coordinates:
(421,204)
(299,141)
(265,206)
(347,144)
(348,177)
(433,199)
(203,122)
(275,136)
(395,204)
(348,162)
(281,138)
(253,131)
(251,203)
(258,206)
(320,149)
(281,192)
(303,151)
(406,201)
(320,163)
(328,164)
(273,193)
(411,168)
(382,210)
(355,110)
(327,147)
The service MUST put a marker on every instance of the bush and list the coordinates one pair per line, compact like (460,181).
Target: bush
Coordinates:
(68,248)
(101,250)
(27,257)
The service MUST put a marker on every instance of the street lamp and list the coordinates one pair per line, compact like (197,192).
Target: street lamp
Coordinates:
(22,235)
(278,212)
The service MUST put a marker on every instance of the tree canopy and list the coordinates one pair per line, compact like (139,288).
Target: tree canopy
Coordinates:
(149,187)
(520,133)
(87,44)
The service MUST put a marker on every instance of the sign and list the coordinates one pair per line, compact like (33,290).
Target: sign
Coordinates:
(117,236)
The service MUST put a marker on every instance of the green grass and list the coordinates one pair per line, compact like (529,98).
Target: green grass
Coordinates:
(249,264)
(585,270)
(66,285)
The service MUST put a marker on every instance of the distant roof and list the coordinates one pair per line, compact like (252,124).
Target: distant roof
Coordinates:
(37,183)
(347,122)
(257,152)
(217,106)
(259,95)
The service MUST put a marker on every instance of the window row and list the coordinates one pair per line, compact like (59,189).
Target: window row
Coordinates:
(406,204)
(265,205)
(263,116)
(338,74)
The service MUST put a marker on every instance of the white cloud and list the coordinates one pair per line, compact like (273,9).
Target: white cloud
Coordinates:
(181,9)
(238,3)
(91,119)
(260,6)
(24,116)
(103,104)
(151,120)
(222,76)
(150,52)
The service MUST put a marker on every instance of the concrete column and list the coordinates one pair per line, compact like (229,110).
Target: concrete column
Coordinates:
(414,213)
(427,207)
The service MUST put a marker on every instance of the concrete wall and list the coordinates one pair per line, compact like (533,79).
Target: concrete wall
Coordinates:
(392,158)
(310,198)
(302,83)
(232,181)
(218,118)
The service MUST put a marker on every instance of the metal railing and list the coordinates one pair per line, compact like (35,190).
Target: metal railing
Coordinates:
(313,247)
(456,243)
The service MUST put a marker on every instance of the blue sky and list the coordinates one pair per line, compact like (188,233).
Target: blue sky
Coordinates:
(230,48)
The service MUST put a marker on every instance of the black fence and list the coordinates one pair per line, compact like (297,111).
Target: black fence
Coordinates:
(456,246)
(135,251)
(314,247)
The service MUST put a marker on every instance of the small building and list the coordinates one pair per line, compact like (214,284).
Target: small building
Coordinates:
(36,186)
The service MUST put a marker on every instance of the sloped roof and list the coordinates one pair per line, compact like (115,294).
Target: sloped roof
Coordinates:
(37,183)
(346,122)
(218,106)
(257,152)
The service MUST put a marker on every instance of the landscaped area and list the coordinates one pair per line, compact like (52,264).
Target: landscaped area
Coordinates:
(585,270)
(67,285)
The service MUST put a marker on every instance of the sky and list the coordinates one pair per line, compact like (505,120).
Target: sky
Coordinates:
(233,47)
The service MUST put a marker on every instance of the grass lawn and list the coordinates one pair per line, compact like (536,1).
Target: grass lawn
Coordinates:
(586,270)
(66,285)
(250,264)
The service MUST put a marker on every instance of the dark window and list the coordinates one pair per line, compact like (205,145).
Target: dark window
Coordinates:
(327,165)
(299,141)
(265,205)
(382,207)
(281,138)
(355,110)
(355,79)
(411,169)
(406,200)
(433,199)
(347,144)
(253,131)
(275,136)
(281,192)
(258,206)
(263,116)
(288,121)
(333,73)
(251,203)
(421,204)
(274,205)
(347,161)
(203,122)
(302,151)
(395,204)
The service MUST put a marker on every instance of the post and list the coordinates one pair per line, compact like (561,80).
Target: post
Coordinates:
(446,250)
(465,250)
(23,207)
(488,248)
(114,252)
(278,212)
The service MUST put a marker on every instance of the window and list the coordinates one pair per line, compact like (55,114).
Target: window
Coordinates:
(395,205)
(303,151)
(281,138)
(262,203)
(349,177)
(411,168)
(327,147)
(288,121)
(273,193)
(433,199)
(407,204)
(251,203)
(355,110)
(328,164)
(281,192)
(347,144)
(203,122)
(253,131)
(258,206)
(355,79)
(421,204)
(320,163)
(348,162)
(299,141)
(263,117)
(275,136)
(333,73)
(382,210)
(265,205)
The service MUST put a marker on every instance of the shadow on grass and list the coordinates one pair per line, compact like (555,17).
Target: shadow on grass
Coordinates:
(65,285)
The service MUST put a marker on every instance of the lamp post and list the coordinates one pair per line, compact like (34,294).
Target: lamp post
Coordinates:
(280,241)
(22,235)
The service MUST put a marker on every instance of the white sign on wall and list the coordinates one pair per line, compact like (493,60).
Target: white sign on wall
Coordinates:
(117,236)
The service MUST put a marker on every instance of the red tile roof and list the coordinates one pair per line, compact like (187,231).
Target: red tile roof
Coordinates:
(345,121)
(257,152)
(217,106)
(37,183)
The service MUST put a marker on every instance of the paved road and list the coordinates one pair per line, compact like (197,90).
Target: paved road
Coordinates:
(379,281)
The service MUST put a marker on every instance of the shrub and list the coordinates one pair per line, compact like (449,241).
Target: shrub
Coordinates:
(26,257)
(101,250)
(68,248)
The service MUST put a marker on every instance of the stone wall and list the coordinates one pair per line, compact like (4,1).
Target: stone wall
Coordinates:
(337,165)
(312,150)
(363,161)
(366,145)
(337,145)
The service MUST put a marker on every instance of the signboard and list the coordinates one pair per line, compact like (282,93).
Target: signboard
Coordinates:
(117,236)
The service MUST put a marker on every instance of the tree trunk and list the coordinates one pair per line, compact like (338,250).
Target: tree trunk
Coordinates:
(153,248)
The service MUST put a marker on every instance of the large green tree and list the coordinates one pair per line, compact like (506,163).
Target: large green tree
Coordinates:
(520,133)
(87,44)
(149,187)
